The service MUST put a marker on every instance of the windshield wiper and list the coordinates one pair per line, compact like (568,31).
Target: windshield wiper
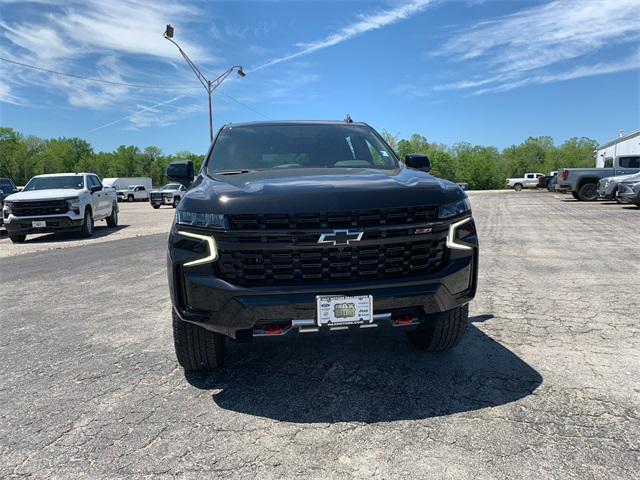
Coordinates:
(231,172)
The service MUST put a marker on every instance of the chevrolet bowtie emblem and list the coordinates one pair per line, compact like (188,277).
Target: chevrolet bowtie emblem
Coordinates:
(340,237)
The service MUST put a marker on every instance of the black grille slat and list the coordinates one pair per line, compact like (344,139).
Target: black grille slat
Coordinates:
(37,208)
(348,219)
(331,264)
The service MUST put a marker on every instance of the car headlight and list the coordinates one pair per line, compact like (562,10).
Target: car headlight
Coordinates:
(449,210)
(206,220)
(74,203)
(7,207)
(204,245)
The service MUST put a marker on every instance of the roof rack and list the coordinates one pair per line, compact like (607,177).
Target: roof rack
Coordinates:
(348,119)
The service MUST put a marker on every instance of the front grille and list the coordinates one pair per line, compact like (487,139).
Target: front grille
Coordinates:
(355,218)
(34,209)
(156,195)
(331,264)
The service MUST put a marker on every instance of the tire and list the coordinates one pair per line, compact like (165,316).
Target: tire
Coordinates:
(112,220)
(17,237)
(130,198)
(575,195)
(443,333)
(517,187)
(155,206)
(176,201)
(197,349)
(588,192)
(87,223)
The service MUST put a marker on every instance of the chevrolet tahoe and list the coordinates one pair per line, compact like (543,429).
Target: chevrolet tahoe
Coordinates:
(315,228)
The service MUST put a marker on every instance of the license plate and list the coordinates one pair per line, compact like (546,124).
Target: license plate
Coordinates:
(38,224)
(343,310)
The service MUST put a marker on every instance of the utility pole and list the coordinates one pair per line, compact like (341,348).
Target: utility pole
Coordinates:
(209,85)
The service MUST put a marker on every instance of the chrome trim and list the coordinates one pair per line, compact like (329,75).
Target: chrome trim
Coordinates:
(208,239)
(451,243)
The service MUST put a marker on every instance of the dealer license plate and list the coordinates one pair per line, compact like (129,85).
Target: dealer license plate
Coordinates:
(342,310)
(38,224)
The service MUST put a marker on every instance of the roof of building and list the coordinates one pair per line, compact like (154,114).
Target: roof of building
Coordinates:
(620,139)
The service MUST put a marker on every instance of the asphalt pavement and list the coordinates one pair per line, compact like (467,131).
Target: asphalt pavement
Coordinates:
(545,385)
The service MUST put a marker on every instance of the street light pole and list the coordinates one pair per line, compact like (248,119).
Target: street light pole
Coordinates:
(209,85)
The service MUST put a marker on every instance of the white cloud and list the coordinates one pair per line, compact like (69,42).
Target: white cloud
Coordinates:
(520,49)
(366,23)
(97,39)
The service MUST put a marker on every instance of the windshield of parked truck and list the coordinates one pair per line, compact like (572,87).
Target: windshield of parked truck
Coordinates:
(281,146)
(171,186)
(71,182)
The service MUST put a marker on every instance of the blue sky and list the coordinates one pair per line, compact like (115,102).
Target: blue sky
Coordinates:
(486,72)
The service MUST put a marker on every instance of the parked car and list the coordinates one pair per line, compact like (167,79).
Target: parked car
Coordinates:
(552,183)
(608,186)
(59,202)
(133,193)
(583,182)
(7,187)
(543,182)
(629,192)
(530,180)
(169,194)
(316,228)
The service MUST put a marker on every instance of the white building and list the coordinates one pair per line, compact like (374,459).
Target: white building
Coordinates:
(623,146)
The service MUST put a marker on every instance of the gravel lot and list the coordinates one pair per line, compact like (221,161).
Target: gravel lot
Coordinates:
(546,384)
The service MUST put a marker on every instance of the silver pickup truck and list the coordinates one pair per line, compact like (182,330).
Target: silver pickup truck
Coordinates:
(583,182)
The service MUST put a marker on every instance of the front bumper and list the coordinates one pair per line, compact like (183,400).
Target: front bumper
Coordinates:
(237,311)
(24,225)
(629,197)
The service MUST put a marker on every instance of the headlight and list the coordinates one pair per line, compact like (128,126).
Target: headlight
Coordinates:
(449,210)
(208,256)
(206,220)
(74,204)
(7,207)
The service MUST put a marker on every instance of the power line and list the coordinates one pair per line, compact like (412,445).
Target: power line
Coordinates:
(245,105)
(124,84)
(90,79)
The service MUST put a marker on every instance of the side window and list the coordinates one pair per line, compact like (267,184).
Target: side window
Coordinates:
(95,180)
(90,182)
(141,189)
(629,162)
(608,162)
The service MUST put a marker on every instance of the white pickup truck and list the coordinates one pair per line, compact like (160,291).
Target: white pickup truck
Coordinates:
(59,202)
(530,180)
(132,193)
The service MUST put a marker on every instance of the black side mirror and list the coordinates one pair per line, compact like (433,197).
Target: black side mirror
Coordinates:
(418,161)
(96,188)
(181,172)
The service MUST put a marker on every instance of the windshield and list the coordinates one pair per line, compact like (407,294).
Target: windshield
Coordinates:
(265,147)
(71,182)
(171,186)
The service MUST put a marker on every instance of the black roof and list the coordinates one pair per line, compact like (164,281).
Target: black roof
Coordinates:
(292,122)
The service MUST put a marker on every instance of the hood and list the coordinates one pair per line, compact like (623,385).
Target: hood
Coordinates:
(620,178)
(317,190)
(53,194)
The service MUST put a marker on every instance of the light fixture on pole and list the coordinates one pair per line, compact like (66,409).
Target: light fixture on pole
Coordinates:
(209,85)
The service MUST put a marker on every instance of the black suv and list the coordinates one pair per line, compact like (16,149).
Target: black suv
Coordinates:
(314,228)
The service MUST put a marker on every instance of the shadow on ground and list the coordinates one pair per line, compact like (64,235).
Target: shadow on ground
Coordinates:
(98,232)
(370,379)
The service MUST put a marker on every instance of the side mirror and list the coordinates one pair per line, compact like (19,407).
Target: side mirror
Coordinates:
(418,161)
(181,172)
(96,188)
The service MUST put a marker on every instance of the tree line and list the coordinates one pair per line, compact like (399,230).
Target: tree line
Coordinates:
(482,167)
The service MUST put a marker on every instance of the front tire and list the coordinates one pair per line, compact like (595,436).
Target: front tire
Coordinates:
(443,333)
(17,237)
(176,201)
(517,187)
(155,206)
(130,198)
(588,192)
(197,349)
(87,224)
(112,220)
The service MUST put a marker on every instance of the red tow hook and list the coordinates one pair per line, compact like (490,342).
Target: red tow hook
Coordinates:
(406,320)
(272,329)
